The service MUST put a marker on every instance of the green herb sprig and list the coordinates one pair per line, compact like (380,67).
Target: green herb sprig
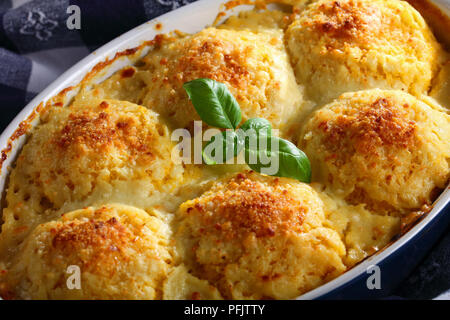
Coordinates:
(217,107)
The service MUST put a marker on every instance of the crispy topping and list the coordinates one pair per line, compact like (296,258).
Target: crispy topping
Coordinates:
(371,127)
(94,244)
(95,131)
(347,20)
(216,60)
(85,129)
(250,207)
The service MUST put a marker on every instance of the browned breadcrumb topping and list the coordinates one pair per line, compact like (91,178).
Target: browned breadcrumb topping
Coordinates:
(214,59)
(97,131)
(380,124)
(95,245)
(85,129)
(348,21)
(248,206)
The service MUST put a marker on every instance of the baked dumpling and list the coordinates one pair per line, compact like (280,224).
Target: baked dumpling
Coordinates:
(385,149)
(254,66)
(339,46)
(122,253)
(259,237)
(103,151)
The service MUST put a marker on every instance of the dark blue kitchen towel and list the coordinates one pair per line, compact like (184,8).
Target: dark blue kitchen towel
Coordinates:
(36,46)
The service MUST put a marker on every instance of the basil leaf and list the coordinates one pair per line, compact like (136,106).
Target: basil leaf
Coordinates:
(227,143)
(257,124)
(252,131)
(284,161)
(214,103)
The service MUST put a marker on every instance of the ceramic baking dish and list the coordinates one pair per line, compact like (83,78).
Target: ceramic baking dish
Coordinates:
(395,261)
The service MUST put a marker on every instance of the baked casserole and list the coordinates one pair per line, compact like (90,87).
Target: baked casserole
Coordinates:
(361,86)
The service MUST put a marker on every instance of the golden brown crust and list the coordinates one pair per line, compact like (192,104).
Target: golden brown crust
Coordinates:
(248,207)
(258,237)
(97,131)
(26,125)
(382,148)
(97,152)
(350,45)
(253,65)
(367,129)
(347,20)
(200,61)
(93,132)
(106,238)
(121,252)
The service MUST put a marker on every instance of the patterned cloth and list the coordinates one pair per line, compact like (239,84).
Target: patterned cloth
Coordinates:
(36,46)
